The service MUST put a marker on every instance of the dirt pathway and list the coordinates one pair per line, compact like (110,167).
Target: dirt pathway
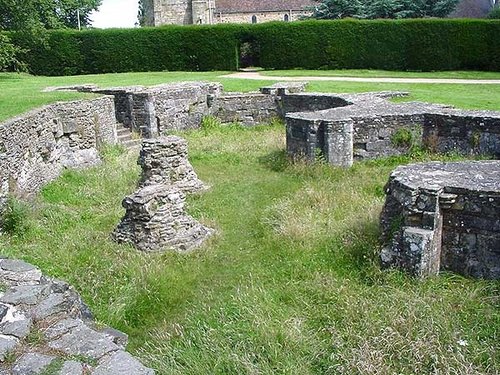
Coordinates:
(258,76)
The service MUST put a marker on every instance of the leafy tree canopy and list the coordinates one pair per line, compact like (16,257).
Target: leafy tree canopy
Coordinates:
(33,17)
(334,9)
(28,15)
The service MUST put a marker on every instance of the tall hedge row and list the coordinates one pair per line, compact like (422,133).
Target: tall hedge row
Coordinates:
(68,52)
(439,44)
(430,44)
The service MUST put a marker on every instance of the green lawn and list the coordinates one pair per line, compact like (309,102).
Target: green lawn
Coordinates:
(289,285)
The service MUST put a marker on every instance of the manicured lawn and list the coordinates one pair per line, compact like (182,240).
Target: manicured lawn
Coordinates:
(460,96)
(289,285)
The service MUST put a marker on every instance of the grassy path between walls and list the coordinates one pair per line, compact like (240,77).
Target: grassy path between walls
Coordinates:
(289,285)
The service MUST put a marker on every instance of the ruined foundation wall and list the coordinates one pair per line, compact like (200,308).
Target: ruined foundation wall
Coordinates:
(182,106)
(471,233)
(443,216)
(376,137)
(35,148)
(246,109)
(468,133)
(382,128)
(311,102)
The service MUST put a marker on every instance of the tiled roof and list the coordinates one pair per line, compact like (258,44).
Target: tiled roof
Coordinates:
(250,6)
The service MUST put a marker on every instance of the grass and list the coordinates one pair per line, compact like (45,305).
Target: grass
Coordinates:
(366,73)
(289,285)
(461,96)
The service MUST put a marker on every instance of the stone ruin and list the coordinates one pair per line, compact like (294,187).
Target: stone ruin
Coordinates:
(443,216)
(165,161)
(68,341)
(339,128)
(342,128)
(157,110)
(155,217)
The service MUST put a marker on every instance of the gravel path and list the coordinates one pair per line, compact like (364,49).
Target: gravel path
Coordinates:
(258,76)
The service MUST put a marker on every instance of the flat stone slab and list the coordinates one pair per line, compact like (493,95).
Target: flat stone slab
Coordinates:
(61,327)
(284,87)
(53,304)
(7,344)
(19,327)
(475,176)
(24,294)
(16,265)
(120,363)
(84,341)
(71,368)
(31,364)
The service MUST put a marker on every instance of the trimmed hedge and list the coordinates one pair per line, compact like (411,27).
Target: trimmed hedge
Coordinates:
(420,44)
(191,48)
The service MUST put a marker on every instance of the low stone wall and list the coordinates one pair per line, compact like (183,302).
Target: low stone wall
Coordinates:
(68,340)
(246,109)
(367,126)
(337,127)
(465,132)
(182,106)
(36,147)
(311,102)
(443,216)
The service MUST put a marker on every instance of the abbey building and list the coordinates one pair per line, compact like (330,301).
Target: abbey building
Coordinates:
(187,12)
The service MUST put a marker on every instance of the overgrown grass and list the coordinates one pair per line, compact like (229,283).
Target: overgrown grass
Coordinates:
(289,285)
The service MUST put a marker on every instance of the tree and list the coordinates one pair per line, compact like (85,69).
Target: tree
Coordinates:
(34,17)
(45,14)
(333,9)
(7,52)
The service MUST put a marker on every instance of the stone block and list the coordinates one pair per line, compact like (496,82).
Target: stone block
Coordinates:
(459,230)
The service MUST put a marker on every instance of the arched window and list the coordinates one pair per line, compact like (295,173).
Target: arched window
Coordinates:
(286,18)
(254,19)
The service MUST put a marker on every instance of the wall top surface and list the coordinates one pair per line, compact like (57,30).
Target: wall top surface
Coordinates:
(469,175)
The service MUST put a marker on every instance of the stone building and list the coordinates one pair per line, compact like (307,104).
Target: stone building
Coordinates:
(472,9)
(187,12)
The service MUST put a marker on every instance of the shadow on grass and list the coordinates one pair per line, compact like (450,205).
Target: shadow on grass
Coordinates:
(11,76)
(356,254)
(276,161)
